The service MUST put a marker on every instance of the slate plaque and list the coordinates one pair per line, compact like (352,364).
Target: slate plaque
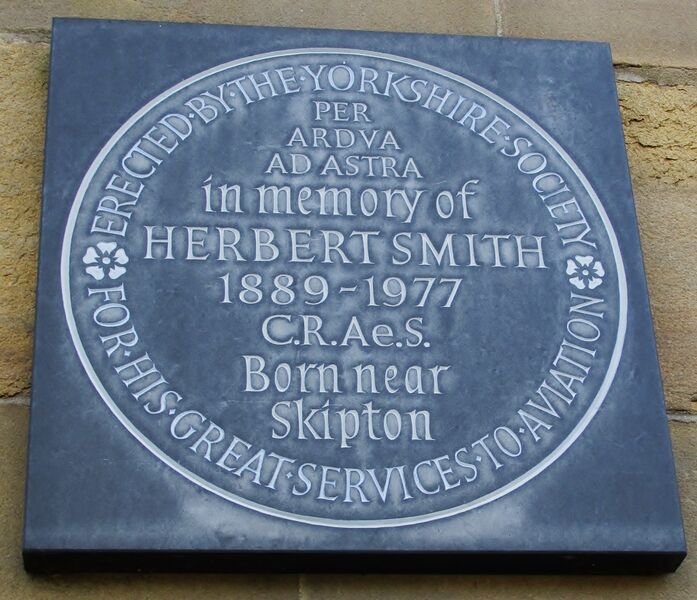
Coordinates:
(331,300)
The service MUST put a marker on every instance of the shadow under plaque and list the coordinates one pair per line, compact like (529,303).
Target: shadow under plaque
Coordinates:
(334,300)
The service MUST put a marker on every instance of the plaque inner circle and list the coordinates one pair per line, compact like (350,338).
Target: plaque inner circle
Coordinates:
(344,287)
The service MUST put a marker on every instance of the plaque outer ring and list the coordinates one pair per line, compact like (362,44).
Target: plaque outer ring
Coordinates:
(343,523)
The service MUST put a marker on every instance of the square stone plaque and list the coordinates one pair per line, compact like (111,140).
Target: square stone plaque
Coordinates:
(332,300)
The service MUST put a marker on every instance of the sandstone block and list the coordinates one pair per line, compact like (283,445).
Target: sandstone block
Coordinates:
(642,32)
(659,125)
(23,74)
(437,16)
(668,224)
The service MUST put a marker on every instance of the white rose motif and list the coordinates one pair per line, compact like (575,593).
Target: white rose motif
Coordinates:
(585,272)
(106,260)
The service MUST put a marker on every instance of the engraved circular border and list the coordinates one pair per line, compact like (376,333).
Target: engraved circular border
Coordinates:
(344,523)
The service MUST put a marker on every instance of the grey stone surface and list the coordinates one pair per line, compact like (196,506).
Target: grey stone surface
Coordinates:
(307,291)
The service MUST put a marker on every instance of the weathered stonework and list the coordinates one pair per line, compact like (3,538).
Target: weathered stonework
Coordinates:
(659,122)
(668,224)
(659,126)
(23,69)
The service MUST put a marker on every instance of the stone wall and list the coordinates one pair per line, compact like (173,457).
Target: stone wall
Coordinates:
(655,50)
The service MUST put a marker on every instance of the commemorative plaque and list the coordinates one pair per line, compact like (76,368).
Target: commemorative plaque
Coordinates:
(341,300)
